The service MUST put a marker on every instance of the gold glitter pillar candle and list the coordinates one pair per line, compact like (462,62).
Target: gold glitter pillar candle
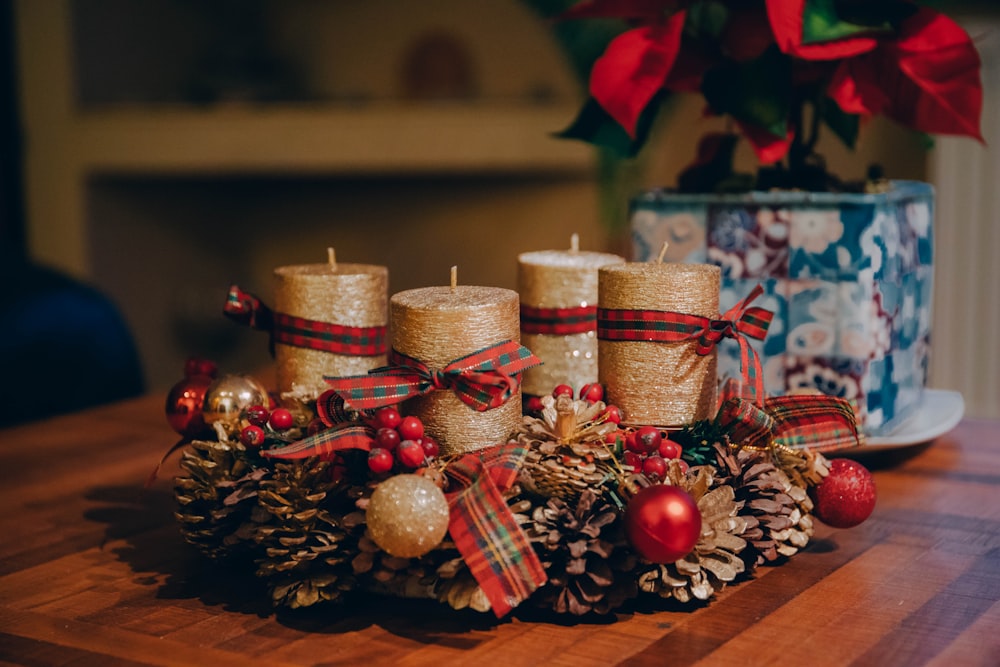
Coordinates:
(558,290)
(348,302)
(657,383)
(436,326)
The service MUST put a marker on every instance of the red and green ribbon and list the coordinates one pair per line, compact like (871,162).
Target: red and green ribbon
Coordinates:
(484,529)
(740,322)
(295,331)
(483,380)
(558,321)
(816,422)
(326,443)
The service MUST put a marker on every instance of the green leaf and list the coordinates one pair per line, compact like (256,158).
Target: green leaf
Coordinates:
(757,91)
(844,125)
(595,126)
(821,23)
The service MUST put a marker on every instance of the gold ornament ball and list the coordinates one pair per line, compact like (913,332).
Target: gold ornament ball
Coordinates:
(407,516)
(229,395)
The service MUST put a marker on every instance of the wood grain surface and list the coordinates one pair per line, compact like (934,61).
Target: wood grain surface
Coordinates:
(93,571)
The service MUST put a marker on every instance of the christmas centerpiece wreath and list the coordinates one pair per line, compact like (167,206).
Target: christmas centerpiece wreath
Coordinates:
(576,512)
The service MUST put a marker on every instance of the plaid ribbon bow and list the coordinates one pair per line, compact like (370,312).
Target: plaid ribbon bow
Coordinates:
(558,321)
(483,380)
(741,322)
(816,422)
(247,309)
(326,443)
(484,530)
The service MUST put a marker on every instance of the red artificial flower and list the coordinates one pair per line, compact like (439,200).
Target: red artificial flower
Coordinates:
(927,79)
(633,69)
(785,17)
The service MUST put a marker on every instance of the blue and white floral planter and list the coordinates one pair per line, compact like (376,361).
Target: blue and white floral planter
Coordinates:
(848,276)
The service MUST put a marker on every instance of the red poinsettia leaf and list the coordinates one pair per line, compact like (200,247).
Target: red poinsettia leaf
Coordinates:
(633,68)
(648,10)
(786,24)
(768,147)
(928,79)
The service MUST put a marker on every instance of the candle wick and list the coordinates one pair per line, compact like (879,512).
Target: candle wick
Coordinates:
(663,252)
(331,256)
(454,278)
(574,243)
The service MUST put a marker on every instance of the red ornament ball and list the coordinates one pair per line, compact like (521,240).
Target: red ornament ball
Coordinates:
(846,496)
(662,523)
(281,419)
(184,405)
(411,428)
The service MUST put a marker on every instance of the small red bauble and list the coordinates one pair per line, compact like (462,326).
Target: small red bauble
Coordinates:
(410,428)
(562,390)
(252,436)
(387,417)
(387,438)
(654,467)
(410,453)
(258,415)
(281,419)
(613,414)
(648,438)
(184,405)
(380,460)
(431,448)
(662,523)
(846,496)
(592,392)
(670,449)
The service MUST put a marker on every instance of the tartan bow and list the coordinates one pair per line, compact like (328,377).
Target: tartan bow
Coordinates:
(247,309)
(326,443)
(483,380)
(740,322)
(484,529)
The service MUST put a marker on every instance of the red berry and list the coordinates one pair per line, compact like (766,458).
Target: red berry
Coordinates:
(613,414)
(683,465)
(252,436)
(257,415)
(648,438)
(387,417)
(654,467)
(380,460)
(634,460)
(533,404)
(670,449)
(387,438)
(281,419)
(410,428)
(612,438)
(431,448)
(592,392)
(562,390)
(631,444)
(410,453)
(846,496)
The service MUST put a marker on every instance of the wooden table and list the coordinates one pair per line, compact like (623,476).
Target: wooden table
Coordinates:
(93,571)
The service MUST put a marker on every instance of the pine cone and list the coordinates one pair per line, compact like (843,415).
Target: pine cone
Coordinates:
(453,583)
(566,450)
(781,508)
(715,560)
(306,550)
(216,500)
(576,544)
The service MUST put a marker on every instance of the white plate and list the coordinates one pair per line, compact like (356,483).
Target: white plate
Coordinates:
(939,412)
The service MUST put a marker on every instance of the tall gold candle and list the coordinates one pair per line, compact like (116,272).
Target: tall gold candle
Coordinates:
(437,325)
(663,384)
(354,295)
(560,279)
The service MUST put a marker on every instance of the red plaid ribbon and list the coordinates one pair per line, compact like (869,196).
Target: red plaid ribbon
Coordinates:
(483,380)
(558,321)
(325,443)
(816,422)
(484,530)
(741,322)
(286,329)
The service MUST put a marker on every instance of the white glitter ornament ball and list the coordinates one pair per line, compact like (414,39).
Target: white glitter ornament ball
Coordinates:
(407,515)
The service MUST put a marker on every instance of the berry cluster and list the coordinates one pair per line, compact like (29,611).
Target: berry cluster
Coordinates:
(265,423)
(647,450)
(399,440)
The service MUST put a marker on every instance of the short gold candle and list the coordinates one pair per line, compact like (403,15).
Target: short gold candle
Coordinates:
(354,295)
(662,384)
(560,279)
(436,326)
